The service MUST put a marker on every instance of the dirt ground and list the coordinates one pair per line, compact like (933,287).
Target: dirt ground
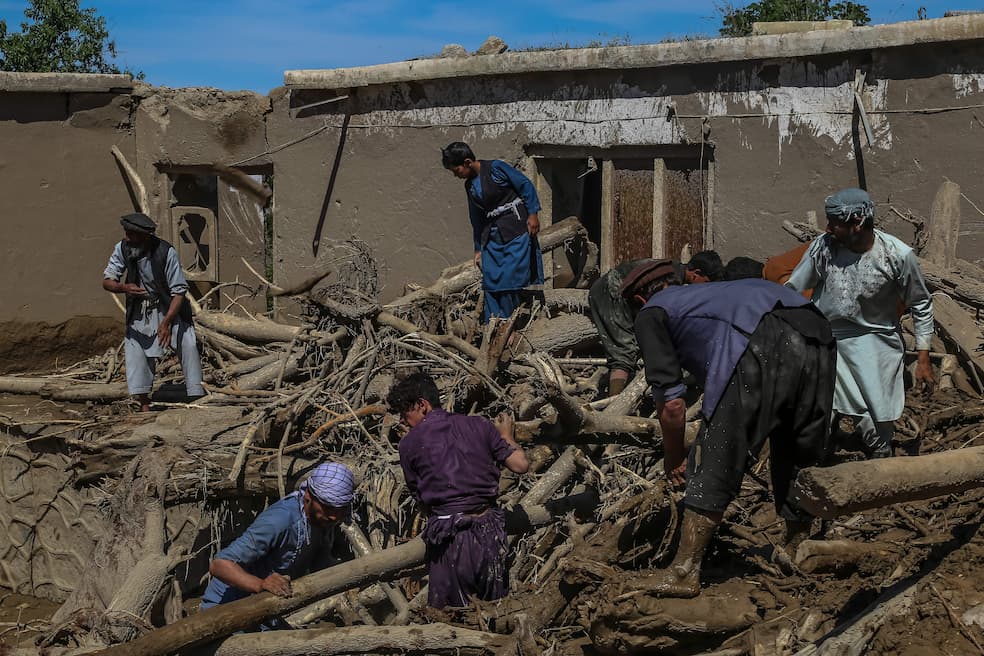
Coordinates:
(22,618)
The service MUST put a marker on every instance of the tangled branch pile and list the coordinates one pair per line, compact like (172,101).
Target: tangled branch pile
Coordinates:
(592,515)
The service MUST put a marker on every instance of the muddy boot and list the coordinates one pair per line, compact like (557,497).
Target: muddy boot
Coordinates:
(682,578)
(877,438)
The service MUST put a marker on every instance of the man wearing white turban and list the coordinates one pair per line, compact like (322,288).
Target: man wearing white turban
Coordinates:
(860,276)
(286,540)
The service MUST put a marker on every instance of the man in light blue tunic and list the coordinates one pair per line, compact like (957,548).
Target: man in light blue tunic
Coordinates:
(503,208)
(158,316)
(289,539)
(860,277)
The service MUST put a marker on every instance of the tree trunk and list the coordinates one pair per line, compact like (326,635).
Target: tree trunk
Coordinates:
(265,376)
(458,277)
(427,639)
(249,330)
(559,334)
(23,384)
(854,486)
(944,226)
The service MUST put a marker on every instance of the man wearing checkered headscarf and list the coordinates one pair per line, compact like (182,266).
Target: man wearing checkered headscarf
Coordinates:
(290,538)
(860,277)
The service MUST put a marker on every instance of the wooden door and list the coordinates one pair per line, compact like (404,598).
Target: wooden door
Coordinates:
(632,194)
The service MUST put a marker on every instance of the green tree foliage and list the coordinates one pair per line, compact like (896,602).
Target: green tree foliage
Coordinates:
(58,37)
(737,21)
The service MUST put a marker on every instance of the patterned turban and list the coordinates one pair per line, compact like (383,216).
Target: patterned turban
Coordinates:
(849,204)
(332,484)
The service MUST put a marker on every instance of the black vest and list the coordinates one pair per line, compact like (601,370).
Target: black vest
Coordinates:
(158,258)
(511,223)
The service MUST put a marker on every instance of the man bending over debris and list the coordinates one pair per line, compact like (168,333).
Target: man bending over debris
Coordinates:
(502,207)
(766,360)
(451,463)
(158,316)
(613,315)
(288,539)
(858,275)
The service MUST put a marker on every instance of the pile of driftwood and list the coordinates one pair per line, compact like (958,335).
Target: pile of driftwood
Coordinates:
(592,516)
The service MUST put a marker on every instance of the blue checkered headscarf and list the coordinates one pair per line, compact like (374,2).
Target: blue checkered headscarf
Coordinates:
(332,484)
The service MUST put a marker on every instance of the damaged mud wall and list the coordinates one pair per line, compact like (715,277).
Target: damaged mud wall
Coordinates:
(64,190)
(61,192)
(776,136)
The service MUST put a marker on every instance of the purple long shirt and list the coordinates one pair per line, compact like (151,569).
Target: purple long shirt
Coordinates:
(452,462)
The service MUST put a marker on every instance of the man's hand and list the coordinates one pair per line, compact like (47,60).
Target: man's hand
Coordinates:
(478,259)
(533,224)
(672,420)
(506,425)
(923,374)
(164,333)
(676,475)
(278,585)
(133,290)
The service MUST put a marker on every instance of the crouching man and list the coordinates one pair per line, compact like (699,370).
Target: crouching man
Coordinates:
(766,360)
(287,540)
(452,463)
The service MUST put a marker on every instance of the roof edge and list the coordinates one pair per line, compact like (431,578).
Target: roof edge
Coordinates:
(64,82)
(773,46)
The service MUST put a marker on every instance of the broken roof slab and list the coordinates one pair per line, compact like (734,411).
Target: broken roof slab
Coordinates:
(772,46)
(64,82)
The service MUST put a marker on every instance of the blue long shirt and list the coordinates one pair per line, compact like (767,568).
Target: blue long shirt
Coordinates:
(280,540)
(504,176)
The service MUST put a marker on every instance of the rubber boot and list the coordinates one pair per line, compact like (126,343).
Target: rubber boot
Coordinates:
(682,578)
(877,437)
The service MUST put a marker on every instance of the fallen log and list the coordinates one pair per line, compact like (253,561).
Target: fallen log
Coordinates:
(227,343)
(852,637)
(223,620)
(558,334)
(251,365)
(80,392)
(841,556)
(362,547)
(23,384)
(958,327)
(268,374)
(249,330)
(428,639)
(855,486)
(944,226)
(460,276)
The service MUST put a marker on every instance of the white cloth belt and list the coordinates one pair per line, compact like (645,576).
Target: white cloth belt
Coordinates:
(511,206)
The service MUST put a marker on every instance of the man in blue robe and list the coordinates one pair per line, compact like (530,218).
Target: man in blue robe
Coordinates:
(502,207)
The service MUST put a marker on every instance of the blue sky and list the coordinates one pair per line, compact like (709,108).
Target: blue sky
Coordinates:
(248,44)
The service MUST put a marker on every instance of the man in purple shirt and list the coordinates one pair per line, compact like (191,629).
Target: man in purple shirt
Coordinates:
(766,360)
(452,463)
